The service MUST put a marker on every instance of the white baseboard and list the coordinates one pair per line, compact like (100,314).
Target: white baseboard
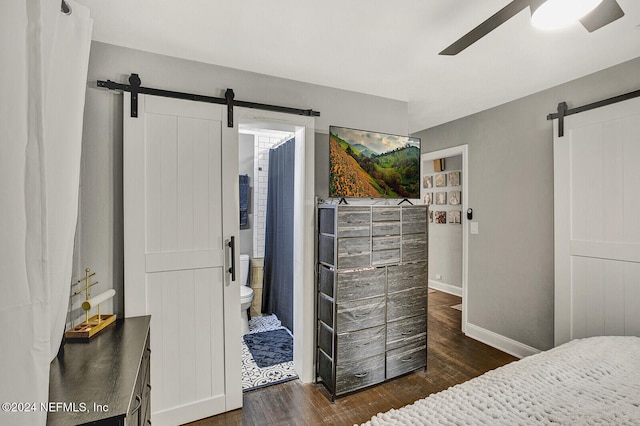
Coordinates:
(447,288)
(498,341)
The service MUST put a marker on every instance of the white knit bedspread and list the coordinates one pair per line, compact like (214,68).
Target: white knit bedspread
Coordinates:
(583,382)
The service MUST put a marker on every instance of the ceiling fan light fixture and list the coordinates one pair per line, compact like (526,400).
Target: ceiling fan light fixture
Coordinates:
(555,14)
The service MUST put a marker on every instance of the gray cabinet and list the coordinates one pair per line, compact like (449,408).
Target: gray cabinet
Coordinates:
(372,294)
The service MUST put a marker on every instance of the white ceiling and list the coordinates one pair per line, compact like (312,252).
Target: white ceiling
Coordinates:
(377,47)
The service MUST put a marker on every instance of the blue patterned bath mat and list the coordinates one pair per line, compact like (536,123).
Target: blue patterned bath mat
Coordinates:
(270,347)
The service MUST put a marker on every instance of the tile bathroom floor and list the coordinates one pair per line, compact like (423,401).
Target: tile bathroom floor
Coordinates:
(254,377)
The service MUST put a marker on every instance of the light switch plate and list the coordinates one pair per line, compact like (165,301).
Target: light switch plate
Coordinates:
(474,227)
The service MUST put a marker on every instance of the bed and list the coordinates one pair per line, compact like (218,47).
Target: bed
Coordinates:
(594,380)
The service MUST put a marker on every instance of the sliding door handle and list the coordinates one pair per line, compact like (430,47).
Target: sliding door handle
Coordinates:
(232,269)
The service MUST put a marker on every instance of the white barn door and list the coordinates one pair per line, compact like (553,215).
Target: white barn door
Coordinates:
(179,213)
(597,223)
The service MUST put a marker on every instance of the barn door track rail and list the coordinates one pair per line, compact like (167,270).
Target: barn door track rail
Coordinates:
(135,88)
(563,109)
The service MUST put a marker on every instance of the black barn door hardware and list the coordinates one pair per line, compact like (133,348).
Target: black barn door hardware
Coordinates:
(563,111)
(135,88)
(232,269)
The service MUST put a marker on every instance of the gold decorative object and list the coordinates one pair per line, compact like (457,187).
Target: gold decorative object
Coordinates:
(90,326)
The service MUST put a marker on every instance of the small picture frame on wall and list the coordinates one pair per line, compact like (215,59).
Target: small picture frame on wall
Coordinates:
(428,198)
(454,198)
(441,198)
(441,217)
(454,178)
(441,180)
(430,216)
(453,217)
(427,182)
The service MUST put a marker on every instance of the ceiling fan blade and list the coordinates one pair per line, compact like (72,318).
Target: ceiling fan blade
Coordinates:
(607,12)
(499,18)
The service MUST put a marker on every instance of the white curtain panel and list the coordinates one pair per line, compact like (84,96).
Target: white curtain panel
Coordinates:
(45,57)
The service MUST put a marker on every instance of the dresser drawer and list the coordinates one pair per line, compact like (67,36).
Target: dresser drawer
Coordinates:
(360,344)
(140,398)
(326,221)
(354,222)
(414,247)
(405,304)
(325,309)
(385,250)
(354,252)
(414,220)
(355,375)
(406,331)
(385,228)
(383,257)
(406,359)
(325,338)
(326,249)
(417,214)
(414,228)
(359,314)
(385,214)
(404,277)
(386,243)
(325,370)
(326,279)
(359,284)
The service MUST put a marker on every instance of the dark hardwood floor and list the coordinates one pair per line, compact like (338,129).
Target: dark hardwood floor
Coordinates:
(452,358)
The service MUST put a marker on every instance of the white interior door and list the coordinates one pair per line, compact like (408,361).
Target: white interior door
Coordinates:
(597,226)
(179,214)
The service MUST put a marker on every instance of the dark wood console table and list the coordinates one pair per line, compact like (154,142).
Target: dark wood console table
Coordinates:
(106,381)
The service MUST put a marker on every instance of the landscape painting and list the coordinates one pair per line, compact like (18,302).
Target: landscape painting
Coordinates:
(375,165)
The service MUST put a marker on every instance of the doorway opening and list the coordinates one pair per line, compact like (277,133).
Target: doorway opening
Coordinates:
(266,167)
(445,188)
(275,151)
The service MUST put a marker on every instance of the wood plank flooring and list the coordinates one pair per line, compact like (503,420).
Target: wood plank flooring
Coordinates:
(452,358)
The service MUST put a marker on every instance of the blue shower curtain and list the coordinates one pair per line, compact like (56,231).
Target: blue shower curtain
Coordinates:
(277,285)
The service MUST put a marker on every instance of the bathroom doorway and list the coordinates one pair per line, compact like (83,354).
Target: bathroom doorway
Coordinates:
(266,167)
(273,159)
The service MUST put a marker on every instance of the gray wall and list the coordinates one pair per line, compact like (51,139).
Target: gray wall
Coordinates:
(100,239)
(445,240)
(511,192)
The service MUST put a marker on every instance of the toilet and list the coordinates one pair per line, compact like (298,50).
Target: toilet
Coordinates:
(246,294)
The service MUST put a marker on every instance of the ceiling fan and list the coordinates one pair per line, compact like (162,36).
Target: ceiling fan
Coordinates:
(605,12)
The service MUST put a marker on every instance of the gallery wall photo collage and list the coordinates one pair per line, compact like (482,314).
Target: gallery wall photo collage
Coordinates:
(442,192)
